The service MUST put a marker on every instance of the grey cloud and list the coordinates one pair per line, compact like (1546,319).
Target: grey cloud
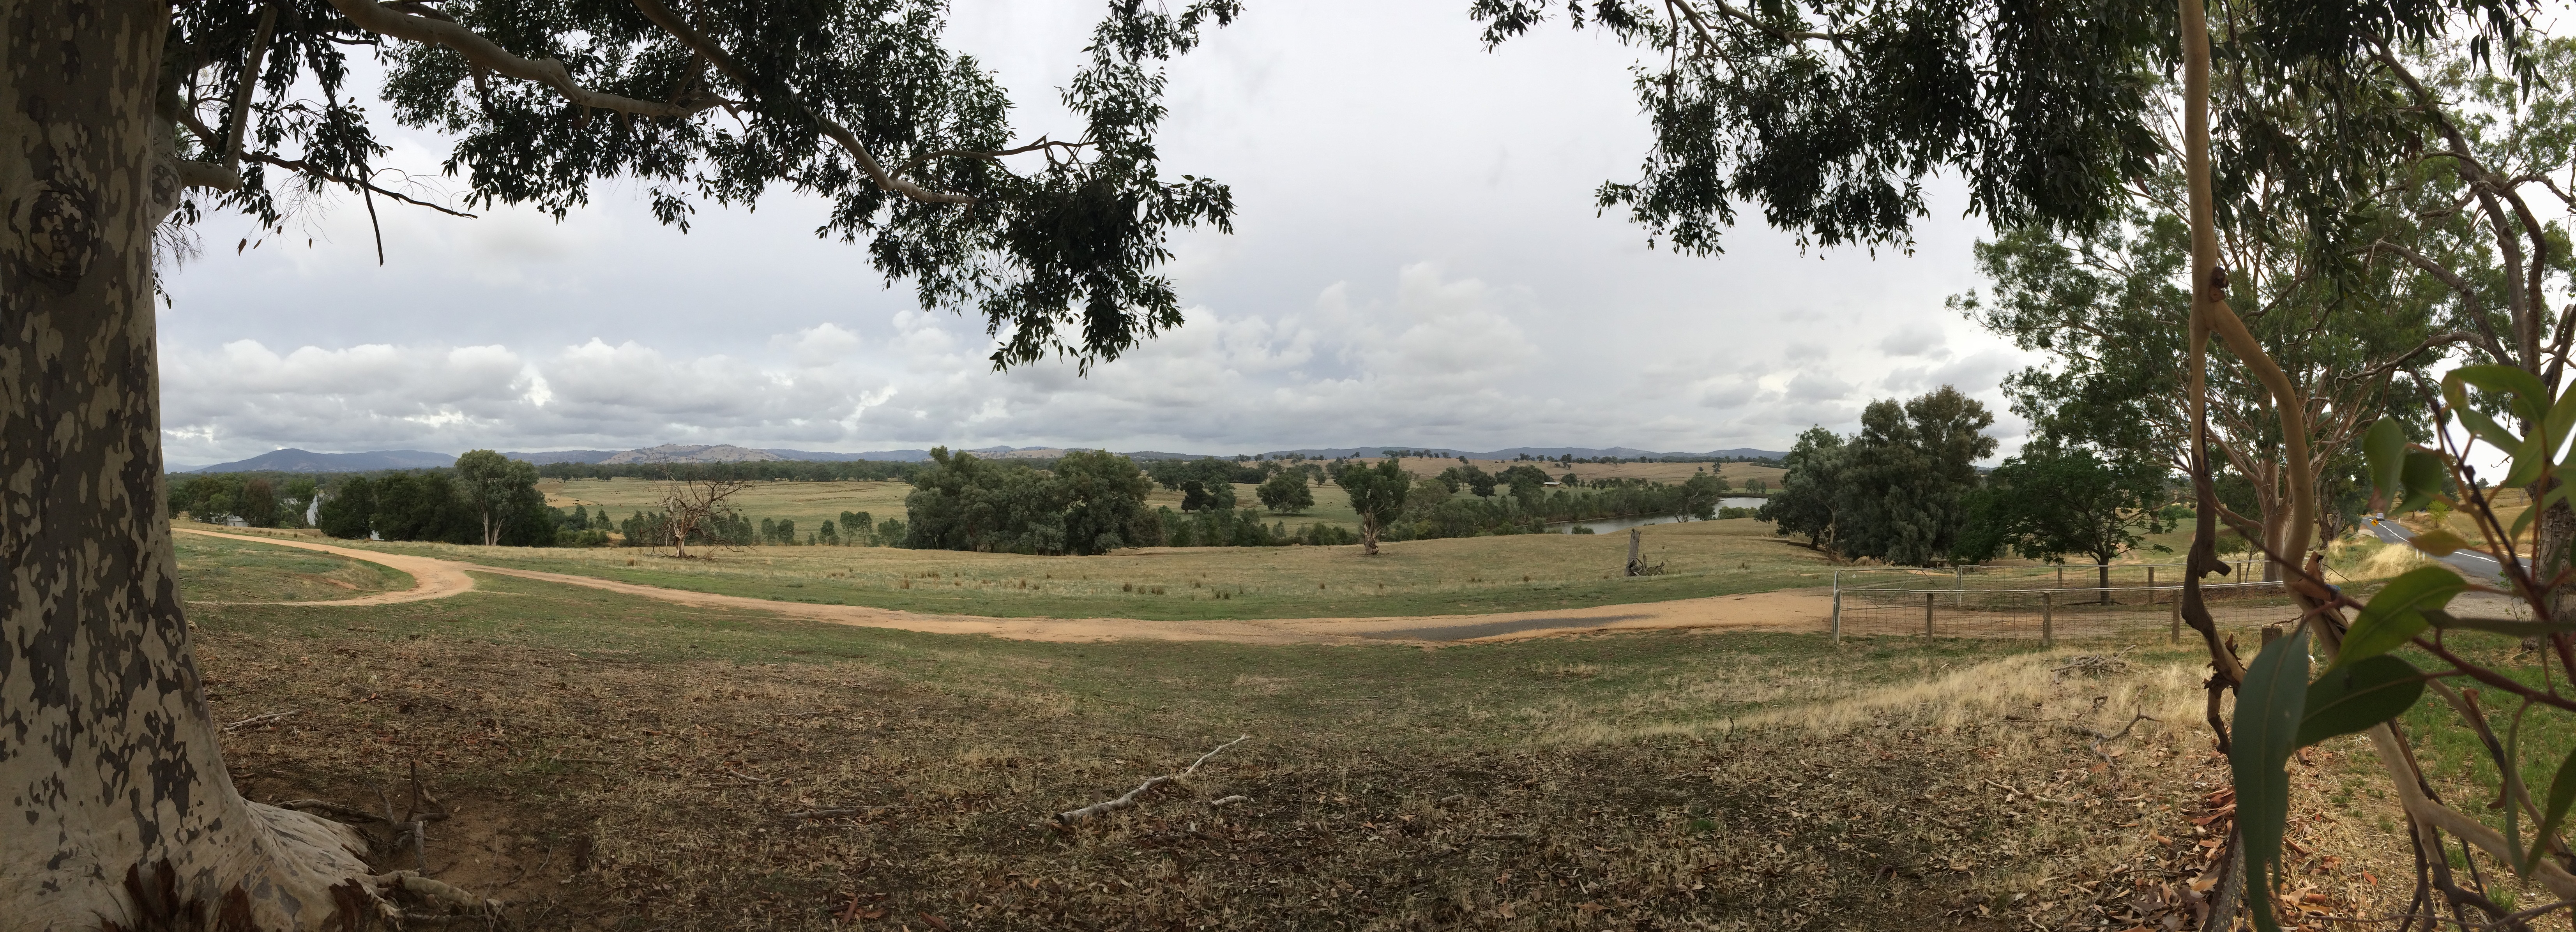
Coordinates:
(1916,338)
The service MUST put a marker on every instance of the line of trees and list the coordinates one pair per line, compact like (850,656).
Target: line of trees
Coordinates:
(764,471)
(254,499)
(440,505)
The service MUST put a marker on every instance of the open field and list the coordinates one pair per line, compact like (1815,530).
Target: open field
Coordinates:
(219,570)
(809,504)
(1436,577)
(612,762)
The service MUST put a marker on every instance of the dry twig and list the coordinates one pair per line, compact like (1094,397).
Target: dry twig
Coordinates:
(1129,801)
(260,719)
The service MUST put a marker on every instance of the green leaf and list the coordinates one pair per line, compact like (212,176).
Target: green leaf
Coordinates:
(2354,695)
(2523,390)
(2440,542)
(2523,521)
(2528,460)
(2384,446)
(2396,615)
(2425,475)
(2268,711)
(2562,418)
(2486,428)
(2562,792)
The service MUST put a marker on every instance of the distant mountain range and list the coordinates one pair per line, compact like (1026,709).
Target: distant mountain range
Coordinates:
(294,460)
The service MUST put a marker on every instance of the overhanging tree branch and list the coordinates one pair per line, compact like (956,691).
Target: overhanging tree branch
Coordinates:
(387,19)
(225,175)
(670,22)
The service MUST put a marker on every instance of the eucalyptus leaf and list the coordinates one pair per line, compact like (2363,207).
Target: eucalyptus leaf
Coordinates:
(2396,614)
(2562,792)
(2426,474)
(2440,542)
(2354,695)
(2520,389)
(2384,447)
(2269,707)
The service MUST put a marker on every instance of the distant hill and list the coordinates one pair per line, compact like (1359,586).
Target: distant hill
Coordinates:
(294,460)
(881,456)
(700,453)
(562,456)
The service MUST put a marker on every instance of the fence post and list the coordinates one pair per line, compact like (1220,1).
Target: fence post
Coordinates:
(1838,612)
(2047,618)
(2061,577)
(2151,585)
(1927,614)
(2176,637)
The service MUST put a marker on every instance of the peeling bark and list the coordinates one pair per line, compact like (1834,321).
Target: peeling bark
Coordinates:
(108,758)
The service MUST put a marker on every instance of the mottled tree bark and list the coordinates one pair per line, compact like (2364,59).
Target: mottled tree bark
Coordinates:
(108,759)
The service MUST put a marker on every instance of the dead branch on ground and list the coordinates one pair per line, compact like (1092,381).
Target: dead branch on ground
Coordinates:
(1129,801)
(260,719)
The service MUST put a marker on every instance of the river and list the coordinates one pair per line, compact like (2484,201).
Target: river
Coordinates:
(1614,525)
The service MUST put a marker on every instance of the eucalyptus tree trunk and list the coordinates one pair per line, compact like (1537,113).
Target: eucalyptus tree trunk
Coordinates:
(108,759)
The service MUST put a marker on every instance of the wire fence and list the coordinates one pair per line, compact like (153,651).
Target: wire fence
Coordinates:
(2044,603)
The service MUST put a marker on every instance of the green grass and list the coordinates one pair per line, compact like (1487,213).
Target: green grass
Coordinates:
(217,569)
(1437,577)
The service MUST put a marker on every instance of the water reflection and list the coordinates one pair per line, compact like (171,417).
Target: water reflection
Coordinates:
(1614,525)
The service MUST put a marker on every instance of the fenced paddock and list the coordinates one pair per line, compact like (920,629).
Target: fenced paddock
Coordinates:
(2044,602)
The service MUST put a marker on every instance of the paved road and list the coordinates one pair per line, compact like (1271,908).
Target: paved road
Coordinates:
(2477,565)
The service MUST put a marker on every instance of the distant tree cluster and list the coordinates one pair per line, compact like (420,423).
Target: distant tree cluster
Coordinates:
(1092,502)
(484,500)
(764,471)
(253,499)
(2055,499)
(1896,491)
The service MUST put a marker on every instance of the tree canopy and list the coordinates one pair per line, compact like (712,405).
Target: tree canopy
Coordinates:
(2052,500)
(1055,240)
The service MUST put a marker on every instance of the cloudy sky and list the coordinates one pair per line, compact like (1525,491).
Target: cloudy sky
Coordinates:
(1416,262)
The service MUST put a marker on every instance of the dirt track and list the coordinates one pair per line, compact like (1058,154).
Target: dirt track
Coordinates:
(1788,610)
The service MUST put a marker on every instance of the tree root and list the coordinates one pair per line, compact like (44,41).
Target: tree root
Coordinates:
(412,886)
(1134,796)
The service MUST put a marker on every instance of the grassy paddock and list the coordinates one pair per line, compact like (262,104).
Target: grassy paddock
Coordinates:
(1433,577)
(809,504)
(215,569)
(616,763)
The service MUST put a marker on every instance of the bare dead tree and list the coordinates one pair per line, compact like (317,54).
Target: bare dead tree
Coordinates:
(693,505)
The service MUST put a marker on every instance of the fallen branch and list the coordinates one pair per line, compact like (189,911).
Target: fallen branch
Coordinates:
(1228,801)
(2099,737)
(1129,801)
(2090,663)
(836,813)
(260,719)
